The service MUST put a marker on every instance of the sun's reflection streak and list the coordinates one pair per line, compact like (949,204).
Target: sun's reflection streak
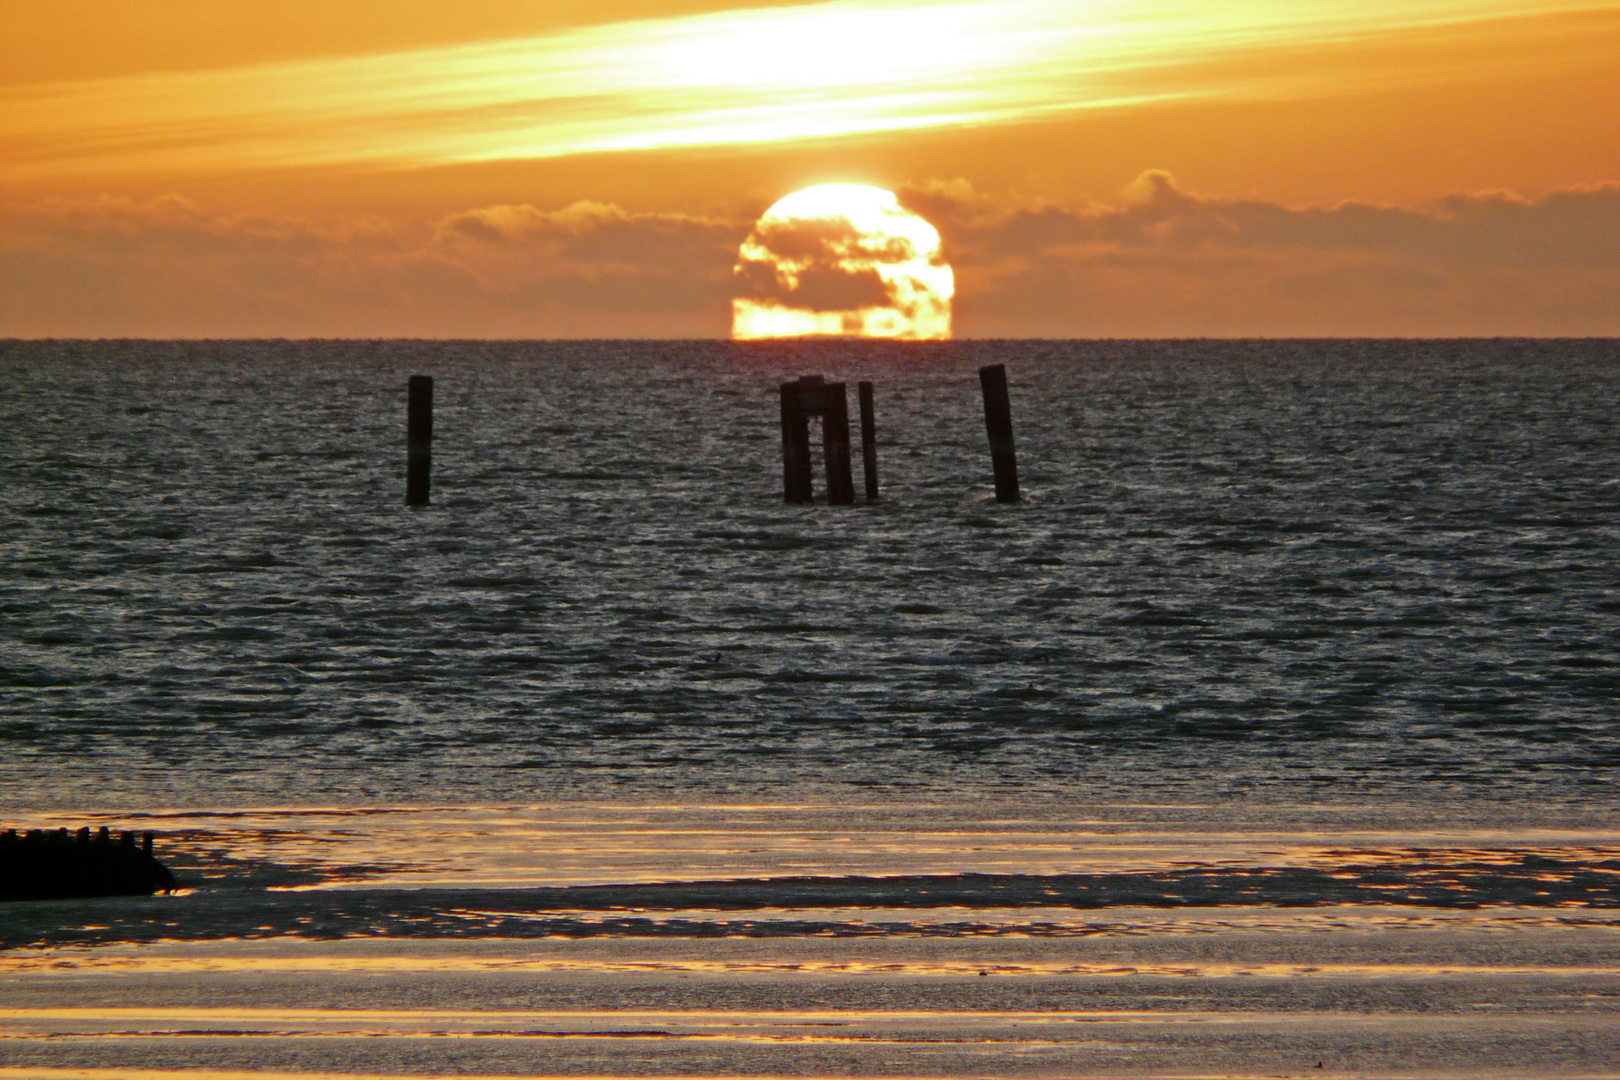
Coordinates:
(1159,977)
(329,960)
(575,845)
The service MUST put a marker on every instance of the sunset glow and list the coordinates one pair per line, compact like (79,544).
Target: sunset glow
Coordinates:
(564,170)
(722,78)
(809,538)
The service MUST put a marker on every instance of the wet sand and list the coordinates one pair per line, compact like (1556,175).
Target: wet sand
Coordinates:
(455,952)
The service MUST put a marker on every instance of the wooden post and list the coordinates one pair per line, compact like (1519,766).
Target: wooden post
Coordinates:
(868,439)
(808,396)
(419,440)
(795,447)
(835,442)
(998,422)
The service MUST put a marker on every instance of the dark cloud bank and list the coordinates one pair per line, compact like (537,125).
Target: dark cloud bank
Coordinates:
(1164,262)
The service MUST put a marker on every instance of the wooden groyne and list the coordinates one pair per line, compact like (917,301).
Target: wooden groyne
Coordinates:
(41,865)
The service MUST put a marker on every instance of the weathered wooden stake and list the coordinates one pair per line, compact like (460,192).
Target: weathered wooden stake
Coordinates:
(868,439)
(419,440)
(835,445)
(811,396)
(998,422)
(795,447)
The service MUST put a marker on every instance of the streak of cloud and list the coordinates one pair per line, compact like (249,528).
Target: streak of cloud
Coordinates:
(767,75)
(168,268)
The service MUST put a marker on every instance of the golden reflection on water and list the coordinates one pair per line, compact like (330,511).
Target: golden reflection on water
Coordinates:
(332,965)
(1353,941)
(48,1073)
(563,845)
(1215,979)
(823,1026)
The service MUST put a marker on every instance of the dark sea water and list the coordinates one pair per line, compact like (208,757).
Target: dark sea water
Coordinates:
(1285,703)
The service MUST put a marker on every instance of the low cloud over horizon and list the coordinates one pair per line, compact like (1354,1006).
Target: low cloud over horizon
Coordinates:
(1162,261)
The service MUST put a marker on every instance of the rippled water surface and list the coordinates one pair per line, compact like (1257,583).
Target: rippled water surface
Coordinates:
(1277,726)
(1348,563)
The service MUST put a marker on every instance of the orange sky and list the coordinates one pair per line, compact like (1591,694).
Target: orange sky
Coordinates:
(549,169)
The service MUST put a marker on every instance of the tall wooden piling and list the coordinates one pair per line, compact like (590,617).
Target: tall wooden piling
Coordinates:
(835,444)
(419,440)
(868,439)
(802,399)
(795,446)
(998,422)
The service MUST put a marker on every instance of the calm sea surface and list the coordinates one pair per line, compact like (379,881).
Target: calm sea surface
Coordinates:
(1278,725)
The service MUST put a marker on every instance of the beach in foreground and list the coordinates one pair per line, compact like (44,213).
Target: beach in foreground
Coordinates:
(934,940)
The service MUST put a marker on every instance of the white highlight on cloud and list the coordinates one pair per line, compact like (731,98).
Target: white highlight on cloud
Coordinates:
(783,74)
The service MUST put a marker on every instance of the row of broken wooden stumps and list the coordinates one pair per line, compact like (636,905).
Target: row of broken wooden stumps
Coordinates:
(806,398)
(57,865)
(812,397)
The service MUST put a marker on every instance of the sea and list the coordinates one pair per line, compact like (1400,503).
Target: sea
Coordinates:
(1275,731)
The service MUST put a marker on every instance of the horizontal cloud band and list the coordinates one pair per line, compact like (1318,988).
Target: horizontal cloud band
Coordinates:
(1166,263)
(764,75)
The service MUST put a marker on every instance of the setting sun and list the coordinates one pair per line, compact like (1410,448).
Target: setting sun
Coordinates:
(842,259)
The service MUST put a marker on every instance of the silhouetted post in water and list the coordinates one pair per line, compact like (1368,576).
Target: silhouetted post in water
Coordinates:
(419,440)
(868,439)
(807,397)
(795,446)
(998,422)
(835,445)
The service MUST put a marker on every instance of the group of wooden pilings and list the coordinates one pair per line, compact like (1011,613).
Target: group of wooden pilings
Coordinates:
(811,396)
(57,865)
(102,836)
(806,398)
